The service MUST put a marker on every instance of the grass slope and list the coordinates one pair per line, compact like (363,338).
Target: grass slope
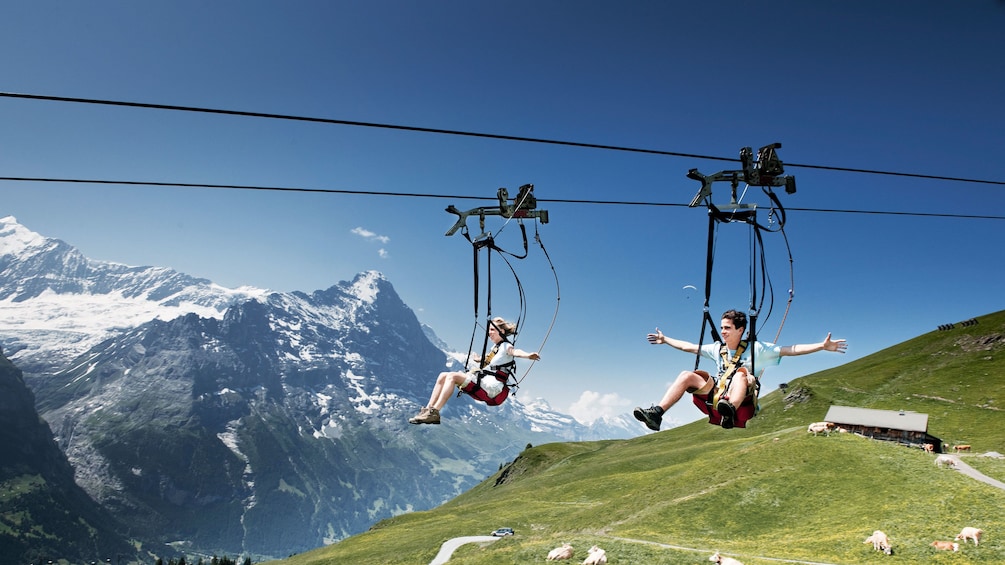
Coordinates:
(767,493)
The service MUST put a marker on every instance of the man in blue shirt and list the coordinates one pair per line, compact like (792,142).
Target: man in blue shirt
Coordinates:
(734,406)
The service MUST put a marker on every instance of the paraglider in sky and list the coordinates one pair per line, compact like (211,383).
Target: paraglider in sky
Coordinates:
(689,289)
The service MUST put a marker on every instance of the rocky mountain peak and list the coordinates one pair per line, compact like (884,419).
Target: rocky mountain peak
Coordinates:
(244,421)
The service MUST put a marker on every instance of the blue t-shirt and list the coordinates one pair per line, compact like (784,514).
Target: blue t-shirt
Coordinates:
(768,354)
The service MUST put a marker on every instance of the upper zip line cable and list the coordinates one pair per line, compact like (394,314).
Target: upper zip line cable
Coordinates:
(464,197)
(274,116)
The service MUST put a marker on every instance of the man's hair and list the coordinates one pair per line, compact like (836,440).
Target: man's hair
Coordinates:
(738,318)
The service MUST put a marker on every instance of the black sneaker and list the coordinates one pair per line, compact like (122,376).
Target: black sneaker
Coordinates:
(728,413)
(652,417)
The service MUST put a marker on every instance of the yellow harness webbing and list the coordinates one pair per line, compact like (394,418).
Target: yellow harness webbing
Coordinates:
(731,366)
(488,358)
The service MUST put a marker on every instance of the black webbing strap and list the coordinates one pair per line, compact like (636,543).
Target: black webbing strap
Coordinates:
(752,338)
(488,242)
(476,246)
(706,320)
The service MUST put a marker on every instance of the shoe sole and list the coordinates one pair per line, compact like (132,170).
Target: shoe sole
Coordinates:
(641,416)
(728,413)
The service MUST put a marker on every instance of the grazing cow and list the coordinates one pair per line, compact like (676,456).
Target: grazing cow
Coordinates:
(723,560)
(880,542)
(929,448)
(959,448)
(597,557)
(562,552)
(970,533)
(820,428)
(946,545)
(945,460)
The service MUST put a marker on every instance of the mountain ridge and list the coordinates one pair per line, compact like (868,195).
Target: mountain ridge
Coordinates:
(57,303)
(245,422)
(43,513)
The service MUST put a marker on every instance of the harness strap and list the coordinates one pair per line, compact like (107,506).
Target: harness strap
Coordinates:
(504,372)
(706,319)
(488,358)
(732,365)
(487,241)
(484,369)
(498,372)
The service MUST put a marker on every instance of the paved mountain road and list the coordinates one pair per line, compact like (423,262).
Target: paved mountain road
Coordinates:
(448,547)
(974,473)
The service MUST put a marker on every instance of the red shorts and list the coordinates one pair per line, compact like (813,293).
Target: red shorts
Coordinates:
(478,393)
(745,412)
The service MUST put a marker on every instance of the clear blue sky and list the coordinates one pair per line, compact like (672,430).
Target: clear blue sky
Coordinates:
(900,86)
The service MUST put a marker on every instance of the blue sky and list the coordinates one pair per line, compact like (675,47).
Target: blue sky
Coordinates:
(905,87)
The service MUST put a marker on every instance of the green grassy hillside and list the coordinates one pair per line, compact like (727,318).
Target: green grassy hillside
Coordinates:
(767,493)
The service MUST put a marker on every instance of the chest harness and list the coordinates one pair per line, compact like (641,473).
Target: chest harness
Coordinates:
(502,373)
(731,364)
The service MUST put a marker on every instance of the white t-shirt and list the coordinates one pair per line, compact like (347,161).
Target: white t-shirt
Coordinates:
(503,356)
(491,385)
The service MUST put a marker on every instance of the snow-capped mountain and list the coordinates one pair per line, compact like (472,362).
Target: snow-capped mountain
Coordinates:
(245,421)
(543,418)
(55,303)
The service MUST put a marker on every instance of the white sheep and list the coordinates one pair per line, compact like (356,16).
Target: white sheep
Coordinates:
(880,542)
(970,533)
(723,560)
(820,428)
(945,460)
(564,551)
(597,557)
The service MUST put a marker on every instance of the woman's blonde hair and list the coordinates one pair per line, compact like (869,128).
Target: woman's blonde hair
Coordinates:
(504,327)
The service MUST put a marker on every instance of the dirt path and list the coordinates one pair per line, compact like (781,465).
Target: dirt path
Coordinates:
(974,473)
(710,552)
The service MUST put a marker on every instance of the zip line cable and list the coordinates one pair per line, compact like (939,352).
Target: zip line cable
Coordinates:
(466,197)
(249,114)
(462,133)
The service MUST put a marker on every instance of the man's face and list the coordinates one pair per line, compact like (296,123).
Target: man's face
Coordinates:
(731,335)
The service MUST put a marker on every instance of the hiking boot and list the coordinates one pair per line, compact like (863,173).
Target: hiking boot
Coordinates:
(426,416)
(652,417)
(728,413)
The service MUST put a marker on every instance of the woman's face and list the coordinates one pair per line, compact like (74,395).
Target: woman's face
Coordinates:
(494,334)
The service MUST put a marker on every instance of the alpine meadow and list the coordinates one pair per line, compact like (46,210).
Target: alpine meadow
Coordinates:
(769,493)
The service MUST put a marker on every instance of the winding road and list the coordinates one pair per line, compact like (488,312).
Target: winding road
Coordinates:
(448,547)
